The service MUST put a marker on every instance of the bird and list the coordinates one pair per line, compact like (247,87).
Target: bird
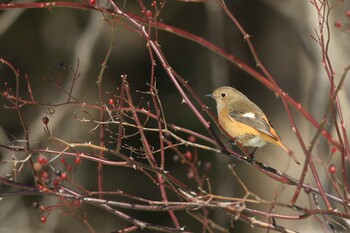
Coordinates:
(245,121)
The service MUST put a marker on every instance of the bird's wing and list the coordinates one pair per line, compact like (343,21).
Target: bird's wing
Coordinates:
(248,115)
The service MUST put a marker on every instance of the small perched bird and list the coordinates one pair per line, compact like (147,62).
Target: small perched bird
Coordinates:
(244,120)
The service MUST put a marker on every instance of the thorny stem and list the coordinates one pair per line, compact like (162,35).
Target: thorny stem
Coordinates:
(147,148)
(102,112)
(323,9)
(19,113)
(153,92)
(121,117)
(316,136)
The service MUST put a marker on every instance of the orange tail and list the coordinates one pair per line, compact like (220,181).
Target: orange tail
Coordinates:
(290,153)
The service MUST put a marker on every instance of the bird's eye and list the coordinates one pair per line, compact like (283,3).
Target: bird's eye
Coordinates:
(223,95)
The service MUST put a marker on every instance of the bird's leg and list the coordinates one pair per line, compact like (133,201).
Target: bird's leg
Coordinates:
(274,222)
(252,154)
(277,227)
(252,158)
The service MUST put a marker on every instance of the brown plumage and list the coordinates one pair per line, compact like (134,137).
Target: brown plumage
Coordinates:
(244,120)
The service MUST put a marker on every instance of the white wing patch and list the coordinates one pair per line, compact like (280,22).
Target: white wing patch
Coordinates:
(249,115)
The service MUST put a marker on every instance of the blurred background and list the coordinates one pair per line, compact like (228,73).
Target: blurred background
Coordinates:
(46,44)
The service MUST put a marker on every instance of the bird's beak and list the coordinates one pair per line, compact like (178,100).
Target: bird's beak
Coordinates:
(209,95)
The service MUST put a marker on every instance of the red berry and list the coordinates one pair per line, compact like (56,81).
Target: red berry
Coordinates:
(42,208)
(76,203)
(45,120)
(338,24)
(149,14)
(64,176)
(45,175)
(42,160)
(334,149)
(111,101)
(5,93)
(43,219)
(40,187)
(92,2)
(190,174)
(348,13)
(56,181)
(188,155)
(63,160)
(192,138)
(332,169)
(77,160)
(45,190)
(324,132)
(70,167)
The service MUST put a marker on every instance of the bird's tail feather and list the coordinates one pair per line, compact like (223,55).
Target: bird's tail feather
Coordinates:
(290,153)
